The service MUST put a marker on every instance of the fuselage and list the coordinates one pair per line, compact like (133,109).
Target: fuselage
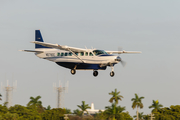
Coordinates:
(92,59)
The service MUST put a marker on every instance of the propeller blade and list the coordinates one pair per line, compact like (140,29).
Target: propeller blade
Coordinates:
(123,63)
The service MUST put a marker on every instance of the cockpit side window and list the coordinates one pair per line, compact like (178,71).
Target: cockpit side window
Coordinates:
(99,52)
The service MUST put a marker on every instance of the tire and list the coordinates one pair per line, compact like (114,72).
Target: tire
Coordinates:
(73,71)
(112,74)
(95,73)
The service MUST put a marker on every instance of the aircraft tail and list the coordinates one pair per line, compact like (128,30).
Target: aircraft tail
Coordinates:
(39,38)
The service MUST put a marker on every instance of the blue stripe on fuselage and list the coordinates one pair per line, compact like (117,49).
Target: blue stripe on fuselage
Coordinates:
(71,65)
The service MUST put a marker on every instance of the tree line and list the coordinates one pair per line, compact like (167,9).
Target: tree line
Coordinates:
(34,110)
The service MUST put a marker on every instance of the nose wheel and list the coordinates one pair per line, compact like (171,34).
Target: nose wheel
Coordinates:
(73,71)
(112,73)
(95,73)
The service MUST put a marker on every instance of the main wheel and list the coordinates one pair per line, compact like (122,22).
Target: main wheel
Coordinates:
(112,73)
(95,73)
(73,71)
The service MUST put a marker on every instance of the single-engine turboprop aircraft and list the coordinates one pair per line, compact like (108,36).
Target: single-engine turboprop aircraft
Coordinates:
(76,58)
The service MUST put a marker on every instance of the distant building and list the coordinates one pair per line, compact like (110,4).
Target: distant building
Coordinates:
(92,110)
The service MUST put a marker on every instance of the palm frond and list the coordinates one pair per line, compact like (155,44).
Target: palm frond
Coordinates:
(37,98)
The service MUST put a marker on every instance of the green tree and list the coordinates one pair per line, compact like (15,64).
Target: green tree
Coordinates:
(156,106)
(48,107)
(84,107)
(146,117)
(137,103)
(77,112)
(115,97)
(25,112)
(35,101)
(53,114)
(68,111)
(3,110)
(140,116)
(11,116)
(109,111)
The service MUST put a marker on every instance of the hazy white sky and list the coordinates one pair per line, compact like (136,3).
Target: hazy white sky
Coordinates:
(152,27)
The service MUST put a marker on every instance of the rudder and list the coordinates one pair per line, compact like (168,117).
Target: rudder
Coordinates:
(39,38)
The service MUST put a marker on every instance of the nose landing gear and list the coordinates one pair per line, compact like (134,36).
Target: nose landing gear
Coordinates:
(95,73)
(112,73)
(73,71)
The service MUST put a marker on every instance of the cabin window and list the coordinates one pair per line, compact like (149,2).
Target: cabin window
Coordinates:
(62,54)
(70,54)
(86,53)
(76,53)
(66,54)
(90,54)
(82,53)
(58,54)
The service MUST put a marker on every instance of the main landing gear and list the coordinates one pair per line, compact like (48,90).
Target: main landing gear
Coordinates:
(73,71)
(95,73)
(112,71)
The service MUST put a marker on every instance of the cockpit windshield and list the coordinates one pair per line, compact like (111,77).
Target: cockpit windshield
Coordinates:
(99,52)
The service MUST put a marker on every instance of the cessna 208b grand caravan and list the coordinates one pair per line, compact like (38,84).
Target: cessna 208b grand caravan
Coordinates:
(76,58)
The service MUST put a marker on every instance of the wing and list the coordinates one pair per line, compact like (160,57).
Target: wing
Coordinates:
(61,47)
(121,52)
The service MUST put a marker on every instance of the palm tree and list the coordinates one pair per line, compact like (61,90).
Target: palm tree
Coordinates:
(156,106)
(146,117)
(110,110)
(35,101)
(115,97)
(140,116)
(84,107)
(137,103)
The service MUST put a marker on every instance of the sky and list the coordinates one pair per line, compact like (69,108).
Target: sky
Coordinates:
(152,27)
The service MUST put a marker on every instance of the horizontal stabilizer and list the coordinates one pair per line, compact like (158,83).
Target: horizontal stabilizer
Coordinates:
(32,51)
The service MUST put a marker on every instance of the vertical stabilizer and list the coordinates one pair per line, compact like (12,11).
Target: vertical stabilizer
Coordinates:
(39,38)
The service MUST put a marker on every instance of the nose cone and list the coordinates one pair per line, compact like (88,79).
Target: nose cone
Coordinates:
(118,58)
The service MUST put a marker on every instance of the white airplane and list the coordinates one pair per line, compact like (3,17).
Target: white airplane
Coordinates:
(77,58)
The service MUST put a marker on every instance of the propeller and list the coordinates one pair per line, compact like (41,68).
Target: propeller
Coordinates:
(122,62)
